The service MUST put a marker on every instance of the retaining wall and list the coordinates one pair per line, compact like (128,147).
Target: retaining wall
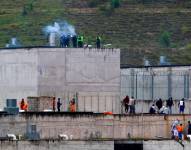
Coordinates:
(87,126)
(88,145)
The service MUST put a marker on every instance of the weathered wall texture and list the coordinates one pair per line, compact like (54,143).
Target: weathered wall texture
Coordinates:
(165,145)
(151,83)
(91,126)
(91,75)
(18,74)
(57,145)
(87,145)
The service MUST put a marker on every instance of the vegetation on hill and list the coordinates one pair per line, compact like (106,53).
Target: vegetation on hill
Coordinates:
(143,29)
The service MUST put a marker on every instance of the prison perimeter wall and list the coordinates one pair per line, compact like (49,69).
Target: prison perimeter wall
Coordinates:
(85,126)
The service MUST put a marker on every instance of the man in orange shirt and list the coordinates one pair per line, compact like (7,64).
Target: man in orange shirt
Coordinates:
(23,105)
(180,129)
(72,105)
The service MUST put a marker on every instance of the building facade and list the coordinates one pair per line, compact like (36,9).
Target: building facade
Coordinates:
(91,76)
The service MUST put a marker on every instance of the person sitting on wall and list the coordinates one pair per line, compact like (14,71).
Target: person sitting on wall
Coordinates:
(23,105)
(72,105)
(163,110)
(152,109)
(159,104)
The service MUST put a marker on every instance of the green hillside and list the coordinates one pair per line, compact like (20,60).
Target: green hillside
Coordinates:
(143,29)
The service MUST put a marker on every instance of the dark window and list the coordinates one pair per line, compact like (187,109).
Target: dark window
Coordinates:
(126,146)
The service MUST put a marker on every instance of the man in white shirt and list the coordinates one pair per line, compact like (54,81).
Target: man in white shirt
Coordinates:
(132,105)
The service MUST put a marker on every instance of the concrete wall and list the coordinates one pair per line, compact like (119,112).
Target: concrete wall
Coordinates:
(91,126)
(88,145)
(90,75)
(165,145)
(151,83)
(18,74)
(57,145)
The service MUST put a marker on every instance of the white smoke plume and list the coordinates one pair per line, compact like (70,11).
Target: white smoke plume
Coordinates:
(61,29)
(13,43)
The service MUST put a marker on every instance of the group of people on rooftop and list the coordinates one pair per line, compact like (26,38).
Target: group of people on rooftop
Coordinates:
(72,105)
(161,108)
(77,41)
(56,105)
(158,107)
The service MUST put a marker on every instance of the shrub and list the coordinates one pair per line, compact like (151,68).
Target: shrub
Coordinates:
(188,46)
(24,11)
(165,39)
(185,29)
(27,8)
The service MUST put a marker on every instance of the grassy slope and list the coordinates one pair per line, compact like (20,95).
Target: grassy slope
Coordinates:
(134,27)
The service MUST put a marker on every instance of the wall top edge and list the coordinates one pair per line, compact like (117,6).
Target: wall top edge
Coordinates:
(57,49)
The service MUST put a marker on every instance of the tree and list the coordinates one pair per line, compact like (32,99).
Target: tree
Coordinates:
(115,3)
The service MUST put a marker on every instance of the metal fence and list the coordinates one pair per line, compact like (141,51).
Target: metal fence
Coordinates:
(150,85)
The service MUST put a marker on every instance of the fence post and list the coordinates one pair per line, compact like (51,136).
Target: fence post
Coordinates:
(170,83)
(152,87)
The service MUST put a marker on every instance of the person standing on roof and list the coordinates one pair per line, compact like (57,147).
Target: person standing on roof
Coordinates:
(23,105)
(126,103)
(181,106)
(169,104)
(159,104)
(74,41)
(59,104)
(72,105)
(80,41)
(98,42)
(132,105)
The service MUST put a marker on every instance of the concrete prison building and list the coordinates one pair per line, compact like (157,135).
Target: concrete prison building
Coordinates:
(91,75)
